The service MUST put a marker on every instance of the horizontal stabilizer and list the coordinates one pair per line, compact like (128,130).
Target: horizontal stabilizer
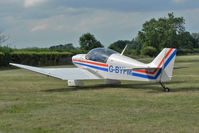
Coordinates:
(139,68)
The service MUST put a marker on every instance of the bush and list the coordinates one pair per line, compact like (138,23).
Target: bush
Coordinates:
(184,51)
(36,58)
(149,50)
(35,49)
(196,50)
(41,58)
(188,51)
(1,58)
(5,49)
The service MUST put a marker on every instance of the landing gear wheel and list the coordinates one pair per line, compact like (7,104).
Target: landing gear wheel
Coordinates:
(166,89)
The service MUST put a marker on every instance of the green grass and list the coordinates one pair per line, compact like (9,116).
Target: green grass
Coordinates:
(33,103)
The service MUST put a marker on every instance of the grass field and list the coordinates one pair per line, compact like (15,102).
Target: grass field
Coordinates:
(33,103)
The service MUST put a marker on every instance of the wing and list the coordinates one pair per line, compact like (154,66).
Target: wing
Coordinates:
(61,73)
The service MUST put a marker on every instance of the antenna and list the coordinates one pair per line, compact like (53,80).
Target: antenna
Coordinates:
(123,50)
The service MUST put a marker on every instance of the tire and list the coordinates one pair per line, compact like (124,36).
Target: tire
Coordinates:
(166,89)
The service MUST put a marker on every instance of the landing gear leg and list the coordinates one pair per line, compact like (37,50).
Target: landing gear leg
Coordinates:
(164,87)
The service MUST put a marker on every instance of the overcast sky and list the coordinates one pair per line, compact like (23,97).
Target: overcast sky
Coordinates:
(43,23)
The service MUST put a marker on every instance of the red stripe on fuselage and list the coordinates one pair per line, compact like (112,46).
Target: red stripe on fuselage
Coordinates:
(93,63)
(147,72)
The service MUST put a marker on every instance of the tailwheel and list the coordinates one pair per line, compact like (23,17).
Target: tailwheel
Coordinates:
(164,87)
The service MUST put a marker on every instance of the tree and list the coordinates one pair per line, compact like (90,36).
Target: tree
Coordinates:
(195,36)
(186,41)
(87,42)
(135,45)
(3,38)
(150,51)
(60,48)
(119,45)
(164,32)
(196,39)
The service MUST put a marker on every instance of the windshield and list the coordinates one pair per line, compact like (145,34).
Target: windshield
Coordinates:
(99,54)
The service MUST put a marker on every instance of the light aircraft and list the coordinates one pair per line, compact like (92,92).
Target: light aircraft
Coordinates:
(102,63)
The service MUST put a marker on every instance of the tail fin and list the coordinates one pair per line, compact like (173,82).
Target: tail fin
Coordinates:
(165,60)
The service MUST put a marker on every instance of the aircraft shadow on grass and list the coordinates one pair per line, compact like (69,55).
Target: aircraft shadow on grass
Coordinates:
(181,67)
(151,87)
(185,89)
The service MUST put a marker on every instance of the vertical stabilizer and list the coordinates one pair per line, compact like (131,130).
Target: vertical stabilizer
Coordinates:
(165,60)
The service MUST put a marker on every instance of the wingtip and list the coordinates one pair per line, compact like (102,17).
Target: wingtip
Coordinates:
(13,64)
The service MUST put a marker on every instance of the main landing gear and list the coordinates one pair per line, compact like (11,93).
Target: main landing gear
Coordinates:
(164,87)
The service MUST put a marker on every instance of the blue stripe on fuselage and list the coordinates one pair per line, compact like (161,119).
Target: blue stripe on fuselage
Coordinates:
(147,76)
(95,67)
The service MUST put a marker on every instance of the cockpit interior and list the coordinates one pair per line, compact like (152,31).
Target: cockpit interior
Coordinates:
(100,54)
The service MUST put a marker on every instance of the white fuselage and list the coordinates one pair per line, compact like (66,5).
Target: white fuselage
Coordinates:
(114,68)
(107,64)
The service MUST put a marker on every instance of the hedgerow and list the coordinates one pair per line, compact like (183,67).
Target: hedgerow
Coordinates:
(36,58)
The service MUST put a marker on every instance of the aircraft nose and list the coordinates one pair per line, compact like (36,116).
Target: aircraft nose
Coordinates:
(76,57)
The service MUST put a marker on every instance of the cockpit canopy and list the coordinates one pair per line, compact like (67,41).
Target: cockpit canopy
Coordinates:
(99,54)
